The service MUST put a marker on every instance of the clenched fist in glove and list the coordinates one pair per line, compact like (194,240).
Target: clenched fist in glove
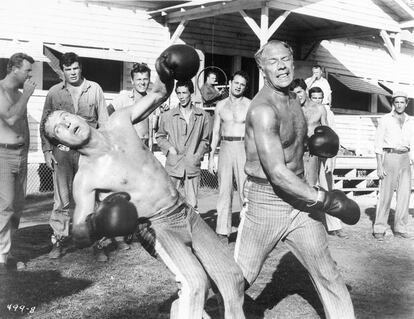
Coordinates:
(324,142)
(115,216)
(179,61)
(335,203)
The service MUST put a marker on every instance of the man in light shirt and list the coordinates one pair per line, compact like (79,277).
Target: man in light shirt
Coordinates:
(392,148)
(318,80)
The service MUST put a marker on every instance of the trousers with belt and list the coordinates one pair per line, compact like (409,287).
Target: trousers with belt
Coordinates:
(231,161)
(63,175)
(398,179)
(194,254)
(269,220)
(13,179)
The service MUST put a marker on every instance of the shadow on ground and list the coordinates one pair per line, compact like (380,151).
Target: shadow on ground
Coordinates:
(289,278)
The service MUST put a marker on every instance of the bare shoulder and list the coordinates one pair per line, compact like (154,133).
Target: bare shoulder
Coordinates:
(84,178)
(261,113)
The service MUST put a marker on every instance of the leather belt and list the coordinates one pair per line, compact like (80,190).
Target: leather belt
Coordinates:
(232,138)
(395,151)
(258,180)
(11,146)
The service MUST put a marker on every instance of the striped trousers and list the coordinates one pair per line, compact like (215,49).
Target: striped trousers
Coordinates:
(194,254)
(268,220)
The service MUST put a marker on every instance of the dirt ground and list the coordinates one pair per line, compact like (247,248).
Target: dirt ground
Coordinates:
(379,275)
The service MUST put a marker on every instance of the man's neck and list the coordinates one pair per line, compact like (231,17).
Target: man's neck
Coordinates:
(186,108)
(277,90)
(10,83)
(75,85)
(234,99)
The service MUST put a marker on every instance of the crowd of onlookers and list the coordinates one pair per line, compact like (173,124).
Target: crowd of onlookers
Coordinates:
(184,133)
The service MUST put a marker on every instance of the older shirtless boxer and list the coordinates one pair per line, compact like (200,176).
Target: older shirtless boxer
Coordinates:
(280,204)
(229,126)
(14,147)
(315,115)
(113,159)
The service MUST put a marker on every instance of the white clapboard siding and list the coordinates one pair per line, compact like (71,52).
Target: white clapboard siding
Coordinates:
(357,132)
(373,60)
(34,113)
(75,23)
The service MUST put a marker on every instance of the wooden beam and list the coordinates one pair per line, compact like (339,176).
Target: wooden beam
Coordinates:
(276,24)
(337,33)
(341,11)
(178,31)
(404,7)
(407,24)
(214,10)
(397,43)
(388,44)
(264,25)
(252,24)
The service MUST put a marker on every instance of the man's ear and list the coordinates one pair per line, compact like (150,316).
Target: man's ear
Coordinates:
(63,148)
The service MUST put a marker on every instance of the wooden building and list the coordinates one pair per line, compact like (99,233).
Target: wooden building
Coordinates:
(365,46)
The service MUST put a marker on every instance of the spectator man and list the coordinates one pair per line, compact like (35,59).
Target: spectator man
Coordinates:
(318,80)
(392,149)
(14,147)
(85,98)
(209,92)
(228,127)
(140,79)
(333,225)
(315,115)
(183,136)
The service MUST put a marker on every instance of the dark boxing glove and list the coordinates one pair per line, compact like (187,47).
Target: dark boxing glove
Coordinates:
(324,142)
(115,216)
(335,203)
(179,62)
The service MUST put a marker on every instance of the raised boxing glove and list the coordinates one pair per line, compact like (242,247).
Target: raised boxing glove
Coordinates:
(324,142)
(115,216)
(335,203)
(178,61)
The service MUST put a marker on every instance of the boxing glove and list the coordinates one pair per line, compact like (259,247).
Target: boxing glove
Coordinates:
(179,61)
(324,142)
(335,203)
(115,216)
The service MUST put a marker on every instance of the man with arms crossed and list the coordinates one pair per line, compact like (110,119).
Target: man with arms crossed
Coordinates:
(14,147)
(114,160)
(229,127)
(278,198)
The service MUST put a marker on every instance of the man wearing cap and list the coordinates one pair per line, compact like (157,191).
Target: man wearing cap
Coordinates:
(392,148)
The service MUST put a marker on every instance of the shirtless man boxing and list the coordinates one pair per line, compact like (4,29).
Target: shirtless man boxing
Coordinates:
(280,204)
(229,127)
(113,159)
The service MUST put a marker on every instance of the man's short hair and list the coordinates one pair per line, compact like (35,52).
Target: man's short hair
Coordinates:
(188,84)
(315,89)
(317,66)
(44,132)
(241,73)
(68,58)
(259,53)
(140,68)
(298,82)
(17,60)
(211,72)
